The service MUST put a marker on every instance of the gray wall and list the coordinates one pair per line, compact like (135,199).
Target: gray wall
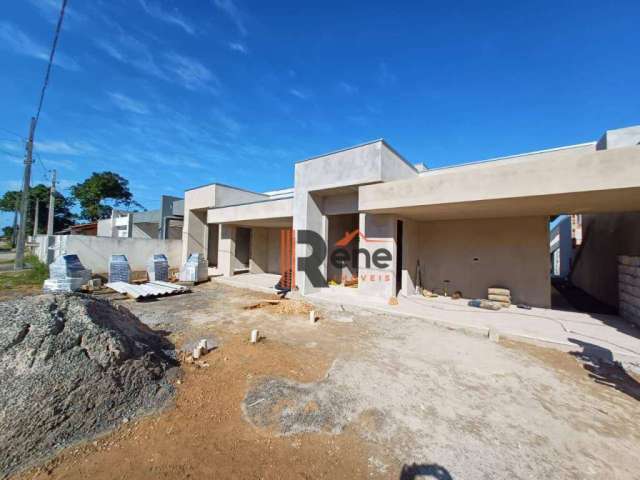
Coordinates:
(477,254)
(95,252)
(604,237)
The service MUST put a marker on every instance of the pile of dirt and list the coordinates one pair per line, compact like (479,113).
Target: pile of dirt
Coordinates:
(71,367)
(283,307)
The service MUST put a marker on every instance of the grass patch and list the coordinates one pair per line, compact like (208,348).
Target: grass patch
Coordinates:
(35,275)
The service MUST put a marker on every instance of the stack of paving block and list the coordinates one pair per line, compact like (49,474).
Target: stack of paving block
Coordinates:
(195,269)
(500,295)
(119,270)
(158,268)
(629,288)
(66,275)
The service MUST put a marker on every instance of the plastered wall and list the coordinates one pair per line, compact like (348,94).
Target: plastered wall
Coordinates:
(477,254)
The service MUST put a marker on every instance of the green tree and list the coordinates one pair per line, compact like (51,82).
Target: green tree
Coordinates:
(99,188)
(62,217)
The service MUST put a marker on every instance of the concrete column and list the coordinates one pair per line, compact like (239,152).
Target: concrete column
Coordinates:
(380,233)
(227,250)
(308,215)
(194,233)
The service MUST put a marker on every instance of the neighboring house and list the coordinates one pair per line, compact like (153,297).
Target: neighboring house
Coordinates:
(163,223)
(465,227)
(90,229)
(561,246)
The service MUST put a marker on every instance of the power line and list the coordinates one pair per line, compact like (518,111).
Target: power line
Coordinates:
(21,137)
(26,181)
(53,51)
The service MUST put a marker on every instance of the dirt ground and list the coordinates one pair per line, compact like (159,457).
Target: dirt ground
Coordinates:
(362,395)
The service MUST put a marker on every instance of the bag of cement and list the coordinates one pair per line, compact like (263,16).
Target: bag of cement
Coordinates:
(500,298)
(158,268)
(499,291)
(119,270)
(66,275)
(486,304)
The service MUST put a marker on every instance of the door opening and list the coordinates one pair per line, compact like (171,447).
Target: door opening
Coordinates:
(399,238)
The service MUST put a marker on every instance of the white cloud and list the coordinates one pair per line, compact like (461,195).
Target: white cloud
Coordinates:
(15,40)
(173,17)
(171,67)
(128,104)
(348,88)
(297,93)
(59,147)
(130,50)
(231,9)
(238,47)
(191,73)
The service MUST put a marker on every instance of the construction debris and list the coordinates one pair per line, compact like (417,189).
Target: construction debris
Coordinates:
(66,275)
(312,316)
(158,268)
(195,269)
(147,290)
(486,304)
(119,270)
(393,301)
(428,293)
(255,336)
(457,295)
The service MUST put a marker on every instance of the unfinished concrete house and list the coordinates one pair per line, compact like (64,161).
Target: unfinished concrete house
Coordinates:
(368,218)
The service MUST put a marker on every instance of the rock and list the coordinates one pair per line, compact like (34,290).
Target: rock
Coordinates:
(71,368)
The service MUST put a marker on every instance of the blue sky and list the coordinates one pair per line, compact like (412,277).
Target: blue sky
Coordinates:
(175,94)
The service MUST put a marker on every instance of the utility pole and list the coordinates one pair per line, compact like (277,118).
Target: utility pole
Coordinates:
(36,219)
(24,201)
(52,203)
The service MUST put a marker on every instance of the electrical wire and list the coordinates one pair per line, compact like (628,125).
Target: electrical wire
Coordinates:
(50,64)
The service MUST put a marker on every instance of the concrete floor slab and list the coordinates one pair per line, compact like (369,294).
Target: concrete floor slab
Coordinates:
(263,282)
(567,330)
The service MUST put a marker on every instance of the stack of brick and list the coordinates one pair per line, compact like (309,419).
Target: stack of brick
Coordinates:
(629,288)
(500,295)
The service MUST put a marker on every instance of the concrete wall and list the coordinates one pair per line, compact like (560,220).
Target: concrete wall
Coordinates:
(319,178)
(261,210)
(145,230)
(604,237)
(196,203)
(380,233)
(629,288)
(571,180)
(477,254)
(95,252)
(265,250)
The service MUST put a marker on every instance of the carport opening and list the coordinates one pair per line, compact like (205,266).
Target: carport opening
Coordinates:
(343,244)
(574,262)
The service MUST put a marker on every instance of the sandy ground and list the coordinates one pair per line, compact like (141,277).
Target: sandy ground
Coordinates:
(363,395)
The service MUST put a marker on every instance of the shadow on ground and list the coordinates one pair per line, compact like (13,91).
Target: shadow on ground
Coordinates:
(419,471)
(602,368)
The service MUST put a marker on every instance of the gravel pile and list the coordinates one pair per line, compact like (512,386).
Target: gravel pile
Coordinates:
(72,367)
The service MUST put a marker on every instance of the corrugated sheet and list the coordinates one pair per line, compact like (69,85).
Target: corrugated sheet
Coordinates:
(147,290)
